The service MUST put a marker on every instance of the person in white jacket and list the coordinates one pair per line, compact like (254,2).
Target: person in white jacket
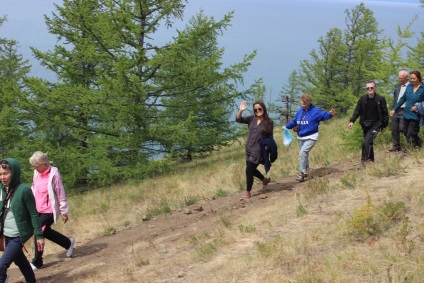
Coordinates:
(51,201)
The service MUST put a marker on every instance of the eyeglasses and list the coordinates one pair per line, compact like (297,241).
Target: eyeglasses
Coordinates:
(6,166)
(257,109)
(35,167)
(370,88)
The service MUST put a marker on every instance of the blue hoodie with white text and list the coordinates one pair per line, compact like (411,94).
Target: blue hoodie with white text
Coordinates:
(308,120)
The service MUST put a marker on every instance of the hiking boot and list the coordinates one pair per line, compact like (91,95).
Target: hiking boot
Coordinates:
(301,177)
(71,248)
(394,149)
(266,181)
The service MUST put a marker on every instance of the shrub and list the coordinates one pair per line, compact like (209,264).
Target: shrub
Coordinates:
(362,224)
(371,222)
(391,212)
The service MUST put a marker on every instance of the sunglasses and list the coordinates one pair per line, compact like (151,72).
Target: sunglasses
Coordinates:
(257,109)
(6,166)
(370,88)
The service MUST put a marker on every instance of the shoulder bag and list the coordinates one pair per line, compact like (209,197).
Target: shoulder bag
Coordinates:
(3,217)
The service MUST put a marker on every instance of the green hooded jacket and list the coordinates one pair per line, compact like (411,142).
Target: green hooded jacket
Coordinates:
(23,204)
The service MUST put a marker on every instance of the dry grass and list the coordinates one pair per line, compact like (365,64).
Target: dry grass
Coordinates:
(103,211)
(314,248)
(298,238)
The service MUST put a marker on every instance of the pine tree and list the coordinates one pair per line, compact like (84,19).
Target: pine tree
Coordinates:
(336,73)
(121,99)
(13,70)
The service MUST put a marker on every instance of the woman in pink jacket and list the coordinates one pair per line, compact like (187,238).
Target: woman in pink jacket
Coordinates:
(51,201)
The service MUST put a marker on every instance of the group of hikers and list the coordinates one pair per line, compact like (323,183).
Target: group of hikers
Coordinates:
(407,114)
(30,211)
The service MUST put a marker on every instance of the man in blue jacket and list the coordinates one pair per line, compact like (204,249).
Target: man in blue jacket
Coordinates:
(305,123)
(373,117)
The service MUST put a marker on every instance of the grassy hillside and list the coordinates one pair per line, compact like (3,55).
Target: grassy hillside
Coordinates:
(353,226)
(218,175)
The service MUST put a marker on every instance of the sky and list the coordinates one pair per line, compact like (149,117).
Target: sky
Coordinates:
(282,32)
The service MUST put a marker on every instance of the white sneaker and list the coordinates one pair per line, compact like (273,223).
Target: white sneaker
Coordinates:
(33,266)
(71,248)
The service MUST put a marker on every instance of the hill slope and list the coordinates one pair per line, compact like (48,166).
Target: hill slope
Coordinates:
(289,233)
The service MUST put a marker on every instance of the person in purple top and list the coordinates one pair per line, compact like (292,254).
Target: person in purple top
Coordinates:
(260,126)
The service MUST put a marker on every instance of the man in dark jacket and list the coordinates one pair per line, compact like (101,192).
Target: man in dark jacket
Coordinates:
(397,118)
(373,117)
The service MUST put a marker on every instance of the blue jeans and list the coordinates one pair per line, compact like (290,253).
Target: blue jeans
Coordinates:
(305,147)
(13,253)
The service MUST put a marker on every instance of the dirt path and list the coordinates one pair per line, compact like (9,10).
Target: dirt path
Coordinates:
(144,246)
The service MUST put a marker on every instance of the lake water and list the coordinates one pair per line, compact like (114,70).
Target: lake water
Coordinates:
(283,32)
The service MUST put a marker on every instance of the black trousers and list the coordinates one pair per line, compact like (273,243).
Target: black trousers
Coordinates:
(397,127)
(370,132)
(252,171)
(412,128)
(46,221)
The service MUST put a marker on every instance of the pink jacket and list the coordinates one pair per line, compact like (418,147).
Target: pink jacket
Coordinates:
(56,190)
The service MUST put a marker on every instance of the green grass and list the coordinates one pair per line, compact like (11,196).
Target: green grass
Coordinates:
(247,228)
(224,219)
(300,210)
(221,193)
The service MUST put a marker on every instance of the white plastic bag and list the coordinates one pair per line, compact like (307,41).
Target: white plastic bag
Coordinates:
(287,137)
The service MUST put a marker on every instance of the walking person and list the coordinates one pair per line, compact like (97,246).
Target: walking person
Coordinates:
(51,201)
(373,117)
(414,93)
(19,220)
(305,123)
(397,125)
(260,127)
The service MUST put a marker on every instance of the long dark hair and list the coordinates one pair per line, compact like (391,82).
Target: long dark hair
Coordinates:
(267,122)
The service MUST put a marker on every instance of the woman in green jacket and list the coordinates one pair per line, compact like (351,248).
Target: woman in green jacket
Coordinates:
(19,219)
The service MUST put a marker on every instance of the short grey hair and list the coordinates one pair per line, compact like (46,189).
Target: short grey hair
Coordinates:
(39,157)
(404,72)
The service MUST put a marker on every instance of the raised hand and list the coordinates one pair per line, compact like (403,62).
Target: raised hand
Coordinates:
(243,106)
